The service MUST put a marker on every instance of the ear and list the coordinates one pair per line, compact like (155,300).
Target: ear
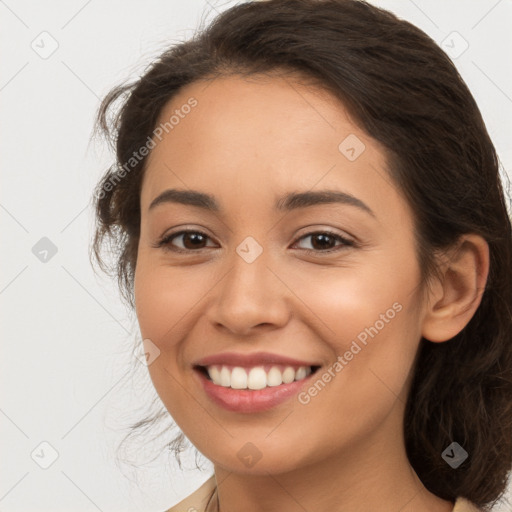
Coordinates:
(456,295)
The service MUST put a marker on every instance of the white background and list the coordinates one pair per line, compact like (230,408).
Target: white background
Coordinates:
(67,338)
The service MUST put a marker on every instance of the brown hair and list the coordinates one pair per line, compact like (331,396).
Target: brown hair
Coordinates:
(405,92)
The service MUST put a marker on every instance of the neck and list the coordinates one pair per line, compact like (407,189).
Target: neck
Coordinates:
(373,474)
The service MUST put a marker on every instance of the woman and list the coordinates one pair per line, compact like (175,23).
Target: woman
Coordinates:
(312,231)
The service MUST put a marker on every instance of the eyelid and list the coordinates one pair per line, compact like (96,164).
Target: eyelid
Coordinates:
(313,230)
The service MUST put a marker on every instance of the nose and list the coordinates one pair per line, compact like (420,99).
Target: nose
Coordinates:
(250,298)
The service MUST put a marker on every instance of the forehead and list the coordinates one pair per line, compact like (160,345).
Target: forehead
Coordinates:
(258,115)
(260,133)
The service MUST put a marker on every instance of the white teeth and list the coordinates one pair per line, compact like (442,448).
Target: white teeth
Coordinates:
(300,373)
(288,375)
(238,378)
(224,377)
(274,377)
(214,374)
(256,377)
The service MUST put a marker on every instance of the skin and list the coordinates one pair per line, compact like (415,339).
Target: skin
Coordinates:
(248,141)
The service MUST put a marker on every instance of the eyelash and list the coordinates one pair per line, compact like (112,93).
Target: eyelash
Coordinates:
(165,242)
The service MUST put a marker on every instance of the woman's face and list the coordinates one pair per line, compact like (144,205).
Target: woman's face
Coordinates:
(255,277)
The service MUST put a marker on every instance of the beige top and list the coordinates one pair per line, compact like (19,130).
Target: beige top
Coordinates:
(204,499)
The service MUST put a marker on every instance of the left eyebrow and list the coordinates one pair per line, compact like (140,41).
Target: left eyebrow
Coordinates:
(288,202)
(304,199)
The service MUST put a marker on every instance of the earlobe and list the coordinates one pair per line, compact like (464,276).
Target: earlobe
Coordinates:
(454,298)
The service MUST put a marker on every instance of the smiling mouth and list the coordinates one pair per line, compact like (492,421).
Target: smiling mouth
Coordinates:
(254,377)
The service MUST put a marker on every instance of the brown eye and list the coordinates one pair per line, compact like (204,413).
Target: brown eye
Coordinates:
(325,241)
(322,241)
(193,240)
(190,241)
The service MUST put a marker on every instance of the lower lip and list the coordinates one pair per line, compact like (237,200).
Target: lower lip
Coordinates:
(249,401)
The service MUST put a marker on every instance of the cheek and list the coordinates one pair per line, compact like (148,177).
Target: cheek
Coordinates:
(164,299)
(168,304)
(371,320)
(350,300)
(367,381)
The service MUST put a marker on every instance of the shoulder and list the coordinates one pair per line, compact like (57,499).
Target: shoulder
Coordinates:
(197,501)
(464,505)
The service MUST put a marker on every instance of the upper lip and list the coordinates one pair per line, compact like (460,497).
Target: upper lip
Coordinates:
(254,359)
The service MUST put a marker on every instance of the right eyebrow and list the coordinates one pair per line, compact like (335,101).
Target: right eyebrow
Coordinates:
(187,197)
